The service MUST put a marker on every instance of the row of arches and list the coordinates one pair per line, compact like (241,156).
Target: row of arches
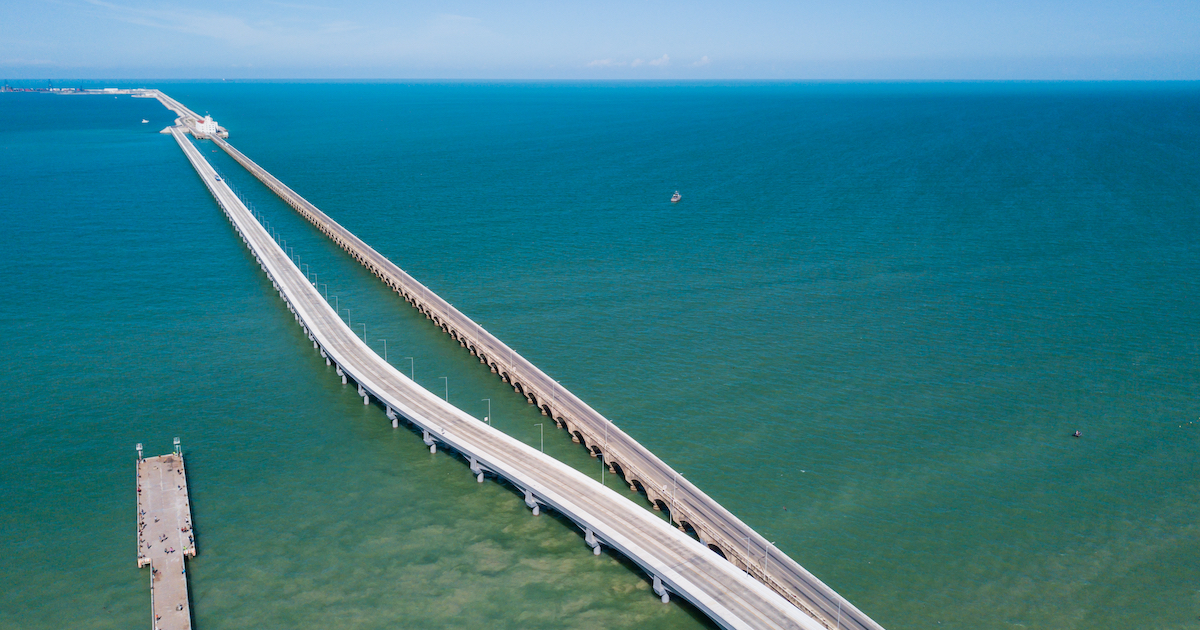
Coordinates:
(577,433)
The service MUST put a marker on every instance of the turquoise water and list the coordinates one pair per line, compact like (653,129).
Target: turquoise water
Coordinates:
(869,330)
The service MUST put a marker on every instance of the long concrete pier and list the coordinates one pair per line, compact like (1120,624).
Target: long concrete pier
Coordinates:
(165,537)
(688,506)
(675,562)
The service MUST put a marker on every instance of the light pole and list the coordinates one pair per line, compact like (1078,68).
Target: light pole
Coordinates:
(348,317)
(542,433)
(412,365)
(384,349)
(488,417)
(336,304)
(326,290)
(304,266)
(447,379)
(364,331)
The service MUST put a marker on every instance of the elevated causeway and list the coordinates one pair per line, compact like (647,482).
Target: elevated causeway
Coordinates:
(731,573)
(689,508)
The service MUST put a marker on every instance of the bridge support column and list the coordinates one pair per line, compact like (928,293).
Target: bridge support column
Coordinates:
(477,469)
(430,442)
(661,590)
(532,502)
(341,374)
(590,539)
(391,414)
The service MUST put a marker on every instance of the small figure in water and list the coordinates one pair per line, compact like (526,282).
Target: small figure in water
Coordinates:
(1078,434)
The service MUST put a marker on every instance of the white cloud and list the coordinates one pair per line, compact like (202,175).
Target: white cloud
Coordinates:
(704,61)
(603,63)
(661,61)
(637,62)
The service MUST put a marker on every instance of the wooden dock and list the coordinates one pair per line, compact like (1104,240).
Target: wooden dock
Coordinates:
(165,536)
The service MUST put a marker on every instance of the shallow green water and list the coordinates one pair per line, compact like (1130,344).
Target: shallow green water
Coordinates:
(869,330)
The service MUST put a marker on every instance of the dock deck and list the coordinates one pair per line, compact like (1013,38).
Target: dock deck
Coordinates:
(164,537)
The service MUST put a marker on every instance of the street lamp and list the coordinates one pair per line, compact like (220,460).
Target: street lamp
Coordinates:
(412,364)
(488,417)
(542,433)
(364,331)
(384,347)
(304,266)
(447,387)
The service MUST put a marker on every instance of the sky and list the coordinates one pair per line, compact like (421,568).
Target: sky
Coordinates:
(613,39)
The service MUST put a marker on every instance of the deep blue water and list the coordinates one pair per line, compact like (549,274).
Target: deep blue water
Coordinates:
(869,329)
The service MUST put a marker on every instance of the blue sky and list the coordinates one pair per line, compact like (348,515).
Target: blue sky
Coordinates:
(615,39)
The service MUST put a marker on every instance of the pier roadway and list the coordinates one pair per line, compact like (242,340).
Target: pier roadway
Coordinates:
(675,562)
(689,507)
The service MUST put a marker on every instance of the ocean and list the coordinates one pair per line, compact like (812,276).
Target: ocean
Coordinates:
(869,329)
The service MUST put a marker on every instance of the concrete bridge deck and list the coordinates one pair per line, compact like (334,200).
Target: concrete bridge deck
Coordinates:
(165,537)
(689,507)
(676,562)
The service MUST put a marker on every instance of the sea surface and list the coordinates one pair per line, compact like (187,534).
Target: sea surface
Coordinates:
(869,329)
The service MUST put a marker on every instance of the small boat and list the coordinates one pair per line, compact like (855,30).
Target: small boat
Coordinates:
(676,197)
(145,121)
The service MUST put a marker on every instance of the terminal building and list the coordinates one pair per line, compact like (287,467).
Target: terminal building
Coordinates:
(207,126)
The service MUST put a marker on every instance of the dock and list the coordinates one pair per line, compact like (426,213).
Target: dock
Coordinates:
(165,536)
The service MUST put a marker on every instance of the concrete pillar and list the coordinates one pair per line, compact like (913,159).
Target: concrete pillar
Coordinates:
(391,413)
(661,590)
(531,502)
(429,440)
(395,423)
(590,539)
(326,360)
(343,379)
(477,469)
